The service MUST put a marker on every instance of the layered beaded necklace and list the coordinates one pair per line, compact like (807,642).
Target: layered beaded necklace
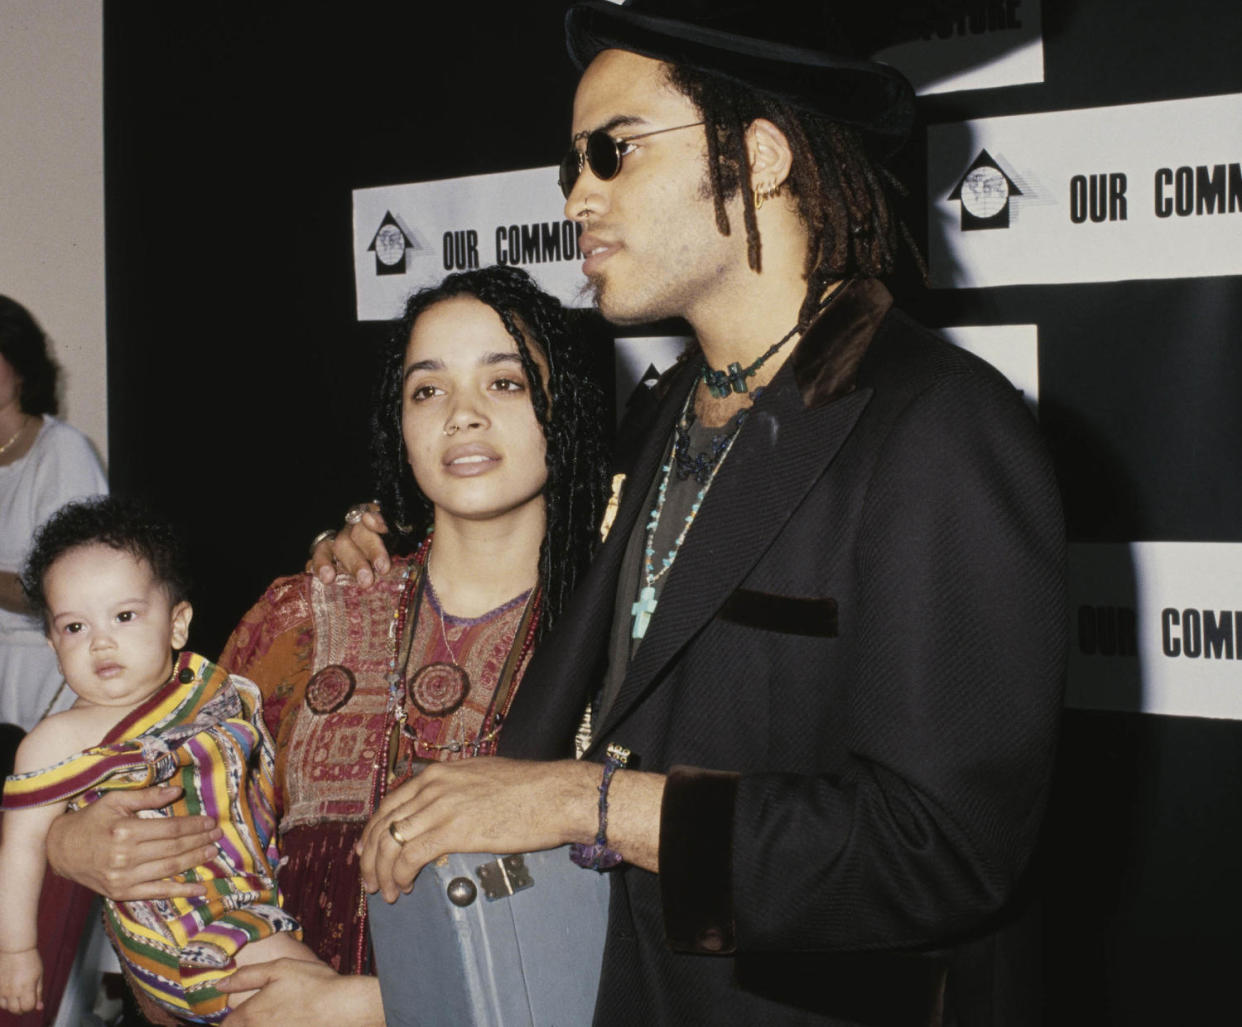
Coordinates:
(704,467)
(403,630)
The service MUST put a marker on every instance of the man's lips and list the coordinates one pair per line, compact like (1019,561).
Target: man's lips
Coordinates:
(596,250)
(465,461)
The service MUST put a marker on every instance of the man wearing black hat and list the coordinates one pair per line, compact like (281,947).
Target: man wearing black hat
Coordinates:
(829,615)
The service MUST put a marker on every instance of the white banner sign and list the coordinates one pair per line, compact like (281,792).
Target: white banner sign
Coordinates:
(1156,627)
(410,236)
(1104,194)
(999,44)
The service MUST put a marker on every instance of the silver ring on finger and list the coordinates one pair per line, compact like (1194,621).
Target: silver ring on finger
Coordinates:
(323,536)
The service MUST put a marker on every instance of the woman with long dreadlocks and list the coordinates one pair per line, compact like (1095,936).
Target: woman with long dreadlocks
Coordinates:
(490,466)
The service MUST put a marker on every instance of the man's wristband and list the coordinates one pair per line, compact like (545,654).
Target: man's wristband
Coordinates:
(598,856)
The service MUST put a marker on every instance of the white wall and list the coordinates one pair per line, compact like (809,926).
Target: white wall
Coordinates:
(51,189)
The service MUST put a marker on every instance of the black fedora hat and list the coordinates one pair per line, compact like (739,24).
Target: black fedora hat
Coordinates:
(797,51)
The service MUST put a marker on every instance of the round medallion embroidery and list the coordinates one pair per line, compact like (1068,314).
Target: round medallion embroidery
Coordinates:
(329,689)
(439,688)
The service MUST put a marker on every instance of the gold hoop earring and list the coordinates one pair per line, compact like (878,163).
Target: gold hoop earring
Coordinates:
(767,192)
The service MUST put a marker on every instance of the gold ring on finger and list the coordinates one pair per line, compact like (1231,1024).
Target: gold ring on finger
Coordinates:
(397,836)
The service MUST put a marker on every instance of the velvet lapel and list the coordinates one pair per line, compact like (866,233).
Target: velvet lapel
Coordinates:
(790,438)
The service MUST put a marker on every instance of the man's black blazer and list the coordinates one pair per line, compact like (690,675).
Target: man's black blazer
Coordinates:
(853,679)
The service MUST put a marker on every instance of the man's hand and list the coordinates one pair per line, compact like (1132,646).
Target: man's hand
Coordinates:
(487,804)
(308,994)
(21,981)
(357,549)
(110,849)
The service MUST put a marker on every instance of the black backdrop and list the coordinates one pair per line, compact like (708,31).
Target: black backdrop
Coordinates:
(238,374)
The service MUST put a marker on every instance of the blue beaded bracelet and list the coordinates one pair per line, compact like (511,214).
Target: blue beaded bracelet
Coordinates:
(597,855)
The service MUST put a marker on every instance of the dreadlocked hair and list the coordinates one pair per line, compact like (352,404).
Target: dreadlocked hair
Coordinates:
(568,406)
(841,194)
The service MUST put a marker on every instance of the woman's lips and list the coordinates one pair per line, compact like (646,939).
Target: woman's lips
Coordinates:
(469,460)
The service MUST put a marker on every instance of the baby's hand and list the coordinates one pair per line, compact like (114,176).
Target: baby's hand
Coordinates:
(21,981)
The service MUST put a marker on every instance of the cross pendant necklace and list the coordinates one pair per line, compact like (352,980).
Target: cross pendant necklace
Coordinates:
(642,610)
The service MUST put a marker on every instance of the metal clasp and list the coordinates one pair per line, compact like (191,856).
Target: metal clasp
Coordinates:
(503,876)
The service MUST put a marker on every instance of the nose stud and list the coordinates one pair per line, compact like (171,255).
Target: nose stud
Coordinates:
(451,429)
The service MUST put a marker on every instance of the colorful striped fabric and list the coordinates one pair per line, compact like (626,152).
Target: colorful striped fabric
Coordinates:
(203,730)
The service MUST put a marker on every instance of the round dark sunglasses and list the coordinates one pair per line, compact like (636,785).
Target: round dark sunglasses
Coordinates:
(602,153)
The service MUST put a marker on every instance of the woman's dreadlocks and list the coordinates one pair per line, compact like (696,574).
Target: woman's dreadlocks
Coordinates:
(568,406)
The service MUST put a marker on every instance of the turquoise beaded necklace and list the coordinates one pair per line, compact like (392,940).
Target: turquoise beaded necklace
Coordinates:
(645,606)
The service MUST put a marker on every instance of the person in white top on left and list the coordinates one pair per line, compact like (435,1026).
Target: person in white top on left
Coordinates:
(44,463)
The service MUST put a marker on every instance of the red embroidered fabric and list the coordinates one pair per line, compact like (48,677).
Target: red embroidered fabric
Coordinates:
(320,654)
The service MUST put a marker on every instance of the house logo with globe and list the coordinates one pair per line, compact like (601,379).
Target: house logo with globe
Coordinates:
(984,193)
(392,241)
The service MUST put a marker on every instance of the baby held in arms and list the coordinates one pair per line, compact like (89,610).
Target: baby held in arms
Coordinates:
(110,585)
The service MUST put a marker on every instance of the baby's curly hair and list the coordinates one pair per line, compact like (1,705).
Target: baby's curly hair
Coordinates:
(119,524)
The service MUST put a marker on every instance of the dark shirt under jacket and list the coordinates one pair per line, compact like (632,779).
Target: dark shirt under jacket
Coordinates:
(853,679)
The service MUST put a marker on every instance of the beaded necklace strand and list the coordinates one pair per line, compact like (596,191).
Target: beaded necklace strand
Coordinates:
(733,378)
(704,469)
(703,465)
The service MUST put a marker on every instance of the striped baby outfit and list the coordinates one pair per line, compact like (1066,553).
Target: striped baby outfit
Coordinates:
(203,730)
